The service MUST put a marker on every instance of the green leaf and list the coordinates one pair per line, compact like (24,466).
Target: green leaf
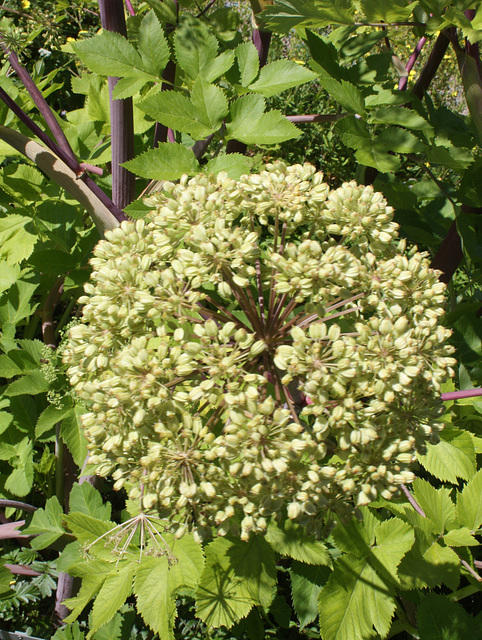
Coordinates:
(346,94)
(306,583)
(249,123)
(210,104)
(31,383)
(399,140)
(287,14)
(86,528)
(110,54)
(166,10)
(372,155)
(93,577)
(84,498)
(195,47)
(460,538)
(50,417)
(436,504)
(359,45)
(72,434)
(439,618)
(452,458)
(23,182)
(469,503)
(402,117)
(354,601)
(126,88)
(169,161)
(189,565)
(280,75)
(152,45)
(16,243)
(289,539)
(393,539)
(428,565)
(8,274)
(46,524)
(235,165)
(237,576)
(454,158)
(20,481)
(16,303)
(394,11)
(112,595)
(154,589)
(248,62)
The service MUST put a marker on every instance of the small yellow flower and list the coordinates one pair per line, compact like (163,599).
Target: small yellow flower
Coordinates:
(25,4)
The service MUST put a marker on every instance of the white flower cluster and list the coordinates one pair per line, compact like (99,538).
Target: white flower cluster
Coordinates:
(259,348)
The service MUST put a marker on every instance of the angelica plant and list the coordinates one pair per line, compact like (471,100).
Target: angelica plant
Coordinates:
(257,349)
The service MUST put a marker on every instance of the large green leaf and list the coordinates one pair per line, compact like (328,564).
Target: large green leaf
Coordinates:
(46,524)
(16,243)
(429,565)
(354,601)
(439,618)
(234,164)
(195,47)
(210,104)
(346,94)
(93,574)
(469,503)
(169,161)
(402,117)
(452,458)
(155,591)
(287,14)
(110,54)
(237,576)
(73,435)
(20,481)
(306,583)
(393,11)
(152,45)
(84,498)
(51,416)
(31,383)
(112,595)
(248,62)
(251,125)
(289,539)
(280,75)
(436,504)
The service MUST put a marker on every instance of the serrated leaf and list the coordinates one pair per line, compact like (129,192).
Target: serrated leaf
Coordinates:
(469,503)
(393,11)
(152,45)
(306,583)
(46,524)
(249,123)
(110,54)
(235,165)
(436,504)
(189,564)
(8,275)
(460,538)
(210,103)
(439,618)
(20,481)
(346,94)
(371,155)
(127,87)
(354,601)
(219,66)
(31,383)
(287,14)
(174,110)
(169,161)
(454,158)
(166,10)
(280,75)
(237,575)
(399,140)
(112,595)
(50,417)
(195,47)
(452,458)
(248,62)
(72,434)
(393,539)
(290,539)
(91,583)
(16,243)
(84,498)
(86,528)
(155,594)
(400,116)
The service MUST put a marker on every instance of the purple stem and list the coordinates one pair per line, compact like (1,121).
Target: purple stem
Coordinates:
(402,84)
(459,395)
(41,104)
(434,60)
(121,115)
(130,8)
(413,502)
(15,504)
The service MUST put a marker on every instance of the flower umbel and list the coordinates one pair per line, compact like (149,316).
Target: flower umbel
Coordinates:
(260,348)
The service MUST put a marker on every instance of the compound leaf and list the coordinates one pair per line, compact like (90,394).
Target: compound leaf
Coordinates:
(169,161)
(112,595)
(46,524)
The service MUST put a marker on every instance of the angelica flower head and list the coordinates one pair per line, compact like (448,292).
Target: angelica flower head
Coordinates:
(256,349)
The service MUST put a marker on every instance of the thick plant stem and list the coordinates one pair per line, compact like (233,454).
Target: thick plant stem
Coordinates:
(434,60)
(121,115)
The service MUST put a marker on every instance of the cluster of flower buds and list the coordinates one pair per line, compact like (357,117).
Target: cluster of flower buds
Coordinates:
(256,349)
